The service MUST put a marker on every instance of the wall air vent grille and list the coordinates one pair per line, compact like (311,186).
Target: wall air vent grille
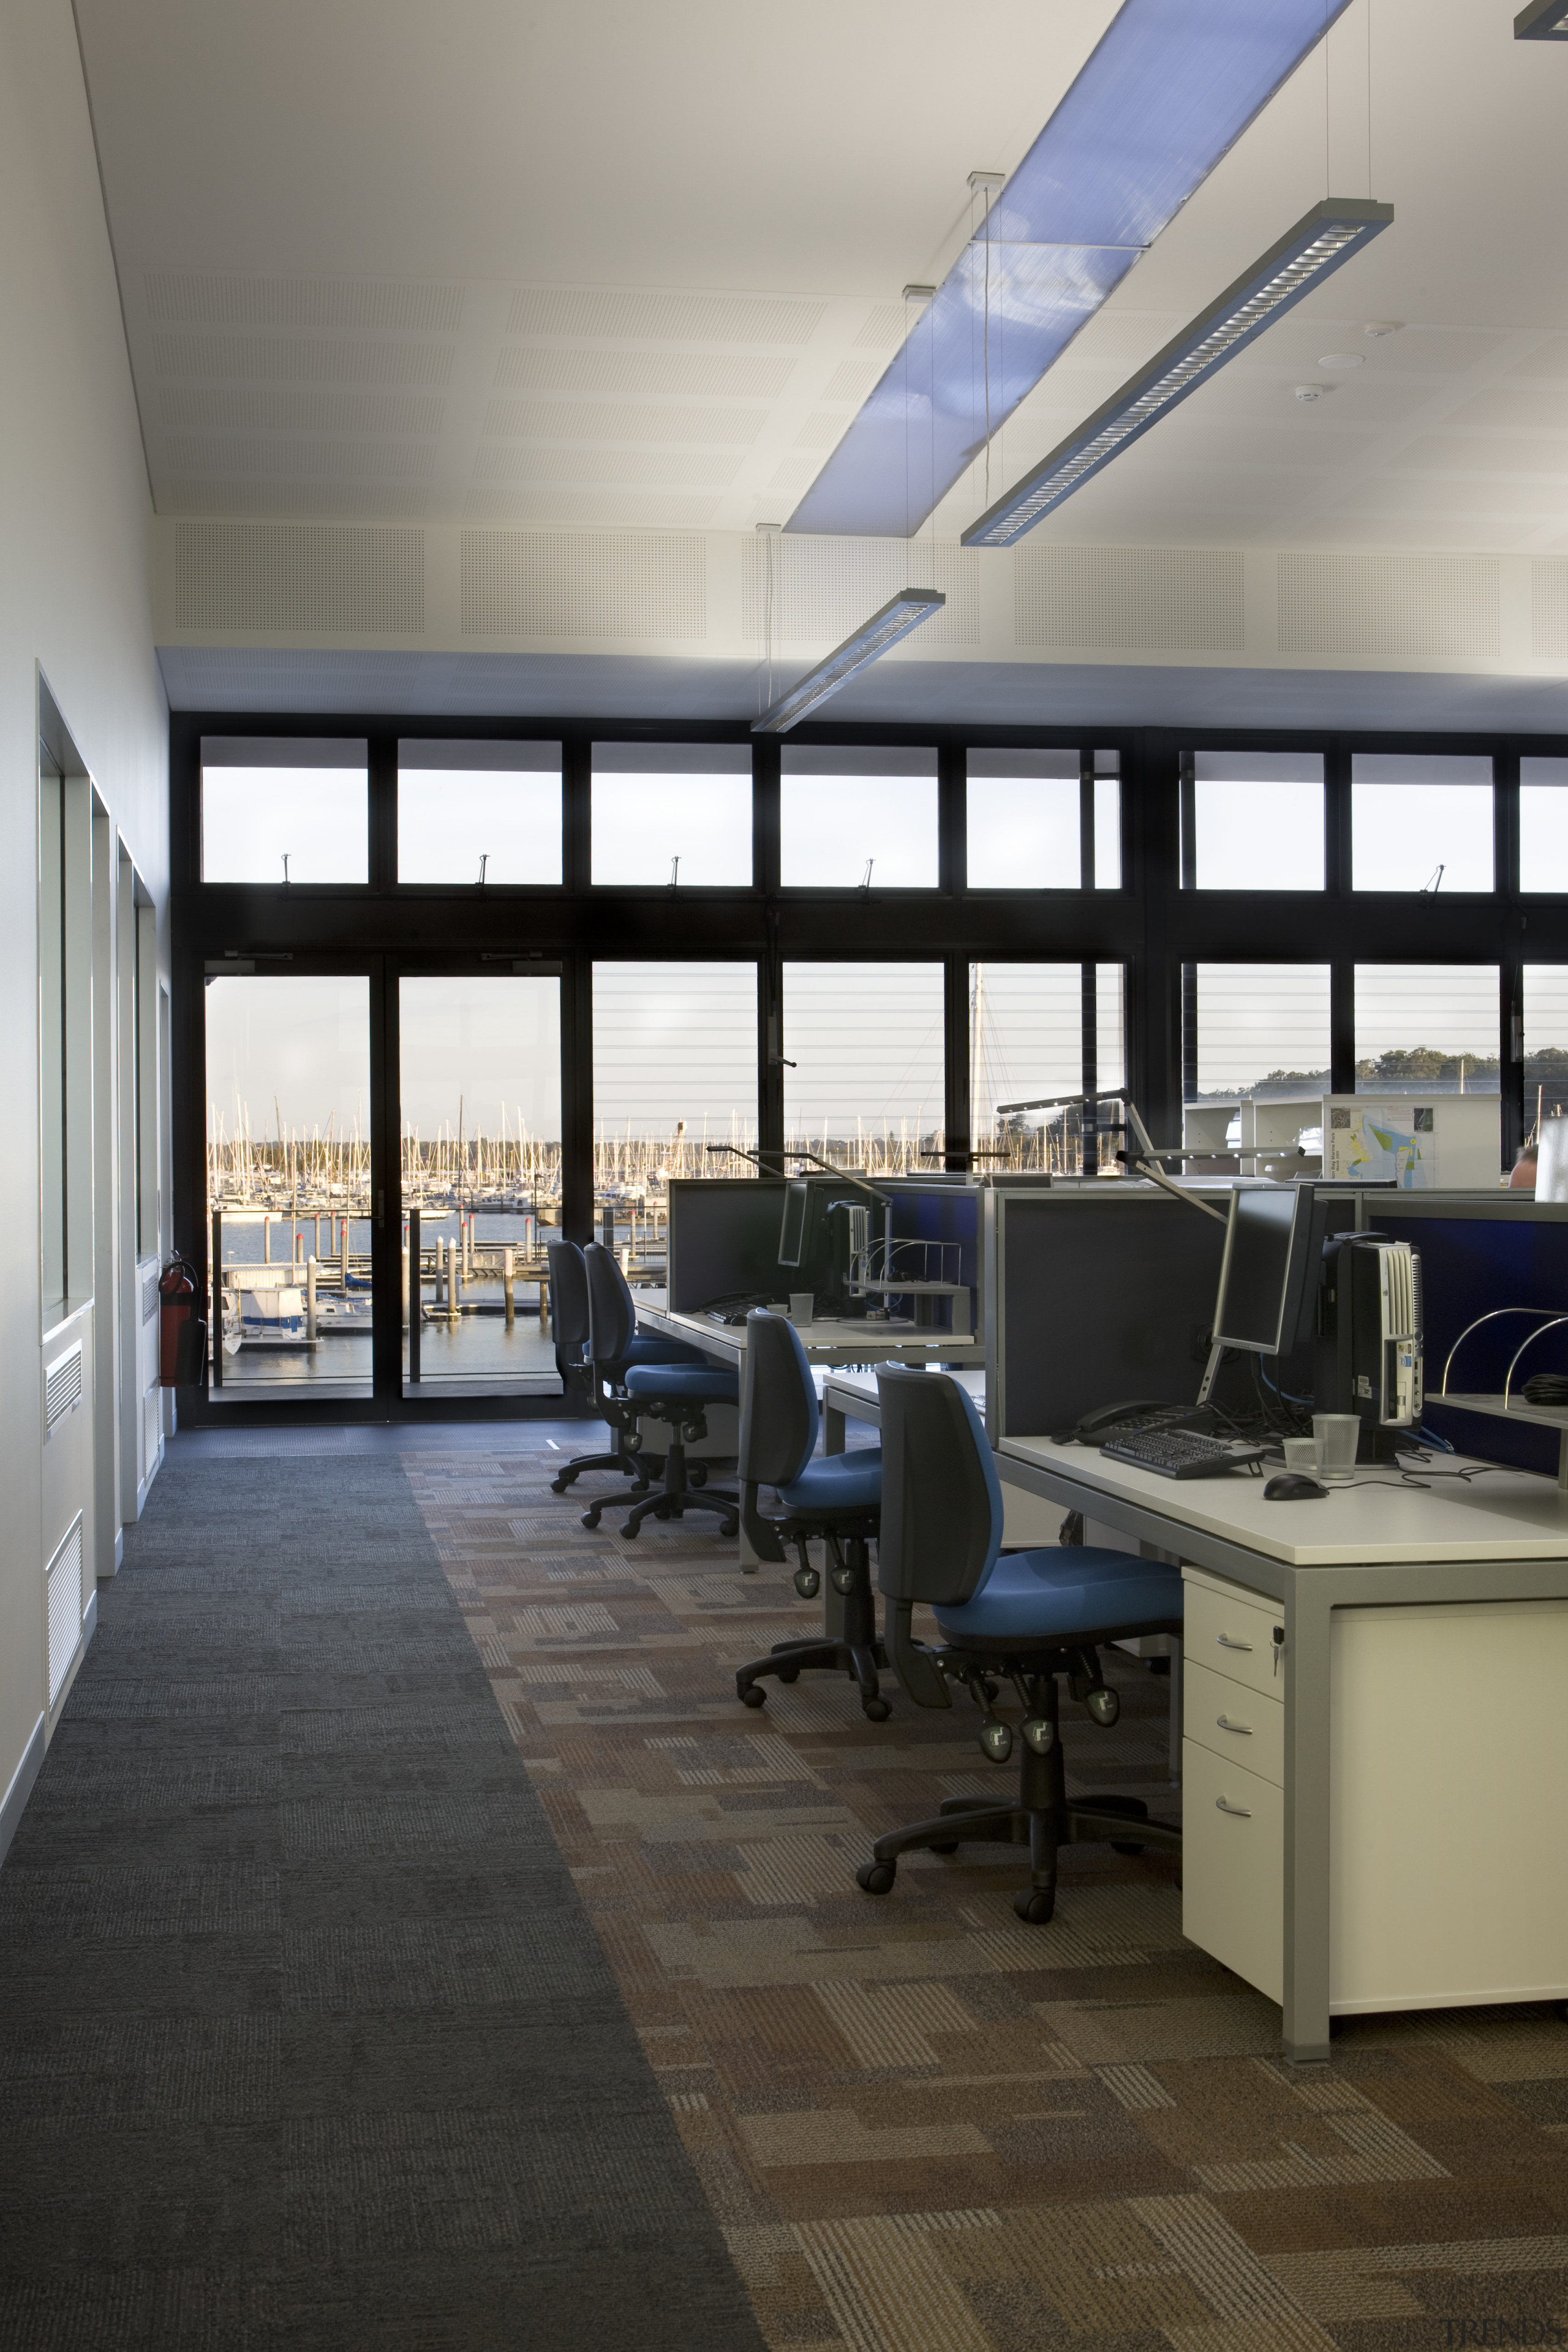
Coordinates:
(823,588)
(592,316)
(1344,605)
(62,1590)
(561,584)
(1131,599)
(285,358)
(62,1387)
(149,1297)
(188,299)
(289,576)
(1549,611)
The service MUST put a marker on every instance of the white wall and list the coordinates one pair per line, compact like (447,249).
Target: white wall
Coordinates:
(75,602)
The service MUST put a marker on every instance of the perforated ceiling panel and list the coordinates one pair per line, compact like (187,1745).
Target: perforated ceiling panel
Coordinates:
(1345,605)
(213,408)
(823,588)
(713,375)
(1131,599)
(563,311)
(637,468)
(1549,611)
(181,297)
(330,499)
(316,359)
(549,420)
(656,510)
(561,584)
(284,577)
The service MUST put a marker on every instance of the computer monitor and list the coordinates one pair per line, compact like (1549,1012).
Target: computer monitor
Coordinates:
(1267,1271)
(795,1222)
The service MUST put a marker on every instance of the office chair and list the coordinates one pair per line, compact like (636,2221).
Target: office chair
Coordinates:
(673,1389)
(587,1383)
(1025,1618)
(838,1498)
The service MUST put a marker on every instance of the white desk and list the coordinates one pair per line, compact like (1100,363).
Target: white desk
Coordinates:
(1397,1836)
(825,1343)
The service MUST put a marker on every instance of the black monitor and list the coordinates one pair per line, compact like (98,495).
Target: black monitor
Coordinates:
(794,1223)
(1265,1276)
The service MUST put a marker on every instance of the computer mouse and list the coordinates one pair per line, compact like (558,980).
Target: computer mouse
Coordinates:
(1294,1487)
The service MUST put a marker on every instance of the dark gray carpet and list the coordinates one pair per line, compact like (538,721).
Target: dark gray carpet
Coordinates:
(305,2038)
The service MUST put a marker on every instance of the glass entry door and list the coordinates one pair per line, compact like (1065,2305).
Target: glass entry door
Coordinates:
(479,1071)
(288,1186)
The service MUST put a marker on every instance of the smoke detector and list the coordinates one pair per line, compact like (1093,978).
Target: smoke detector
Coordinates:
(1311,391)
(1377,328)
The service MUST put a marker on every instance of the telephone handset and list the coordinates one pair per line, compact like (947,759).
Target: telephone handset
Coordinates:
(1143,1412)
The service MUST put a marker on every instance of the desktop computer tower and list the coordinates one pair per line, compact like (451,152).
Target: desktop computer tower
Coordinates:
(1368,1356)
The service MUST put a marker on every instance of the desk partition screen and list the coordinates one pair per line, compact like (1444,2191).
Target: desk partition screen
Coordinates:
(724,1238)
(1480,1253)
(1094,1296)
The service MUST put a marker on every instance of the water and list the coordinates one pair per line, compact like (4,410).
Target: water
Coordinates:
(477,1348)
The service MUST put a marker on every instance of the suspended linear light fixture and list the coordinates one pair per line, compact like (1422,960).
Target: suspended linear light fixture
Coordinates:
(1330,233)
(903,612)
(1544,20)
(1168,90)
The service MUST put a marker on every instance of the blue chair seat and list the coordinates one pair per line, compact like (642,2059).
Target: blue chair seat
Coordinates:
(1065,1593)
(644,1351)
(698,1383)
(836,1483)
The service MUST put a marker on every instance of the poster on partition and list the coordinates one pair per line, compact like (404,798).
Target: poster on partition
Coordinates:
(1381,1143)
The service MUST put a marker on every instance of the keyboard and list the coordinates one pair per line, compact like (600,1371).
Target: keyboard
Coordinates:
(1182,1452)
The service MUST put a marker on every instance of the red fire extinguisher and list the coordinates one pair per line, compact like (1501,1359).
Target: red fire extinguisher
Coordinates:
(176,1290)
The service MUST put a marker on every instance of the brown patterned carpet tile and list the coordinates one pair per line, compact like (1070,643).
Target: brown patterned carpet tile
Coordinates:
(924,2126)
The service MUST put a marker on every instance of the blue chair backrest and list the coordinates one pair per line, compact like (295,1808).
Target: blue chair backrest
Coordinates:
(778,1402)
(612,1316)
(568,1295)
(941,1499)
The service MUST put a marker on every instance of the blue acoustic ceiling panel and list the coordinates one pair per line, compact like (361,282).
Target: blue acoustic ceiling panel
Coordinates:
(1170,88)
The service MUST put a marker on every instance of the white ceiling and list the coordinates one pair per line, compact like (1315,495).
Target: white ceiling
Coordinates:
(637,267)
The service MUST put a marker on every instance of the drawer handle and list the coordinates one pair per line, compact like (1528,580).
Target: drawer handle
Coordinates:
(1241,1811)
(1226,1643)
(1225,1724)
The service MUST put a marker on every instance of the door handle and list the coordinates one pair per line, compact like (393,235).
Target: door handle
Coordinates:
(1241,1811)
(1225,1724)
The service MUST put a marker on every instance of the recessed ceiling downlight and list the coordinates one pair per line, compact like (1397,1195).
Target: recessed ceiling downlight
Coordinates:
(1340,360)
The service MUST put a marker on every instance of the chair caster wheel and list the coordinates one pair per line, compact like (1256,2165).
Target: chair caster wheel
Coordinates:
(1034,1905)
(1117,1847)
(789,1673)
(630,1528)
(947,1846)
(875,1710)
(729,1527)
(697,1475)
(640,1485)
(754,1695)
(591,1516)
(877,1877)
(558,1485)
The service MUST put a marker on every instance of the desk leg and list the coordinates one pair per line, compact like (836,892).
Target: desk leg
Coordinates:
(832,1430)
(1176,1753)
(1308,1615)
(749,1562)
